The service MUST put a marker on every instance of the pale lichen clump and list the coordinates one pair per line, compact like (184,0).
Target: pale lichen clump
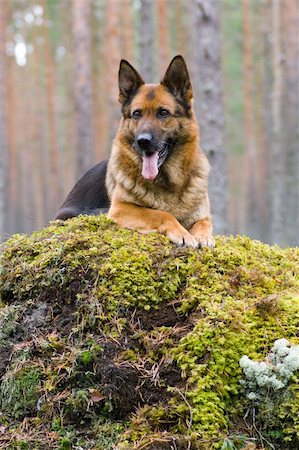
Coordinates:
(121,340)
(274,373)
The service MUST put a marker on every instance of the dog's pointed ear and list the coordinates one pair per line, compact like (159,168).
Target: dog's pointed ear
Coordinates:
(177,79)
(129,81)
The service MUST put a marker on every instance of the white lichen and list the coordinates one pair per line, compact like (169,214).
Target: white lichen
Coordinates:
(274,373)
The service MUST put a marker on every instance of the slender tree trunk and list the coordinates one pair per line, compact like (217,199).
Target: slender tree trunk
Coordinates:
(127,30)
(3,124)
(267,115)
(251,166)
(163,36)
(181,31)
(207,85)
(29,163)
(259,125)
(13,185)
(83,84)
(112,59)
(99,95)
(97,89)
(14,179)
(290,119)
(55,185)
(277,165)
(67,139)
(146,32)
(38,175)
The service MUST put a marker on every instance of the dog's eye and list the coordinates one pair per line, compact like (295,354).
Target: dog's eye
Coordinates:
(137,114)
(163,113)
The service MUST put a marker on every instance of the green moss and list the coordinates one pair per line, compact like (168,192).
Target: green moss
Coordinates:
(288,413)
(20,391)
(128,320)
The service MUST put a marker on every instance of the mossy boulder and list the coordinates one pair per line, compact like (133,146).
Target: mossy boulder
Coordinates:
(110,339)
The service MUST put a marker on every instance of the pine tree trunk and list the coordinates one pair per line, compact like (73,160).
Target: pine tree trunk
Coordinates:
(181,9)
(207,86)
(3,123)
(83,84)
(163,38)
(267,116)
(127,29)
(251,162)
(13,160)
(146,47)
(277,163)
(290,119)
(55,185)
(111,65)
(40,187)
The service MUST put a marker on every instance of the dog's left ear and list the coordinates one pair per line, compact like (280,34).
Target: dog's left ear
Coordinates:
(177,79)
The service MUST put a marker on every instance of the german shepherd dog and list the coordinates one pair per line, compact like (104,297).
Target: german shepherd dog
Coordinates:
(156,178)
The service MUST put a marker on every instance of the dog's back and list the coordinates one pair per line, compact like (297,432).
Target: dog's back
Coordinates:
(89,195)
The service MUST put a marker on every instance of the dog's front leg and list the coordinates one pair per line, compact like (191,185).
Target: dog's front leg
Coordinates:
(202,231)
(146,220)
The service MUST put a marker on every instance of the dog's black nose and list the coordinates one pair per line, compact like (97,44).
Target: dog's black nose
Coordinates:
(144,141)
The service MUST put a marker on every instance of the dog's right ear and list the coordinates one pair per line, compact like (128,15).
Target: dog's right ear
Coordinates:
(129,81)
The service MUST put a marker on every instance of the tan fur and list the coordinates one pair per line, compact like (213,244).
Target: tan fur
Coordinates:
(175,203)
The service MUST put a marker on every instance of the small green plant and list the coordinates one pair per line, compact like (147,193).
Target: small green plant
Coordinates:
(234,442)
(65,444)
(8,321)
(20,391)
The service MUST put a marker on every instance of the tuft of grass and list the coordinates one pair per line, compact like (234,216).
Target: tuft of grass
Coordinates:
(20,390)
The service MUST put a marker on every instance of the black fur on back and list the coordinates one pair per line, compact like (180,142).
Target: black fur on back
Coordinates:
(89,195)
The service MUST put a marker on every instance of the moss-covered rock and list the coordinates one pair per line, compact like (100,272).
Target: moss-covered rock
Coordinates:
(112,339)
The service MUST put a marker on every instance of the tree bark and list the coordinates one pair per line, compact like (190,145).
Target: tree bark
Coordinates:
(3,124)
(251,159)
(290,119)
(181,9)
(13,188)
(55,191)
(163,37)
(277,163)
(40,184)
(83,84)
(207,86)
(267,108)
(111,64)
(146,46)
(127,30)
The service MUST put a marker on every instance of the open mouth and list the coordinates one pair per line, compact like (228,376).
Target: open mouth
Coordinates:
(151,163)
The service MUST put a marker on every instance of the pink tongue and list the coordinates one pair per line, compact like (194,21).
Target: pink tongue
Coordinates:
(150,166)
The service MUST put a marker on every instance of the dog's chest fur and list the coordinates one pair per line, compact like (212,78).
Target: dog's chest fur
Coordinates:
(178,189)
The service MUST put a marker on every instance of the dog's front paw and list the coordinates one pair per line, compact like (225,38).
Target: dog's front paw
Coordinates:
(205,240)
(182,238)
(202,232)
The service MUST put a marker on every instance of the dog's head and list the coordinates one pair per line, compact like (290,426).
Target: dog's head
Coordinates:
(157,116)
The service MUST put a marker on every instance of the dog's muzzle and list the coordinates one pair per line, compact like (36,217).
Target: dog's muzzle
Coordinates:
(153,154)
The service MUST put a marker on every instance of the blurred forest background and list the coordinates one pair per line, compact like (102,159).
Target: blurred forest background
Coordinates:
(58,100)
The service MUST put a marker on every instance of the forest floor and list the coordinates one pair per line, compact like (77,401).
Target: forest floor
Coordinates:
(114,340)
